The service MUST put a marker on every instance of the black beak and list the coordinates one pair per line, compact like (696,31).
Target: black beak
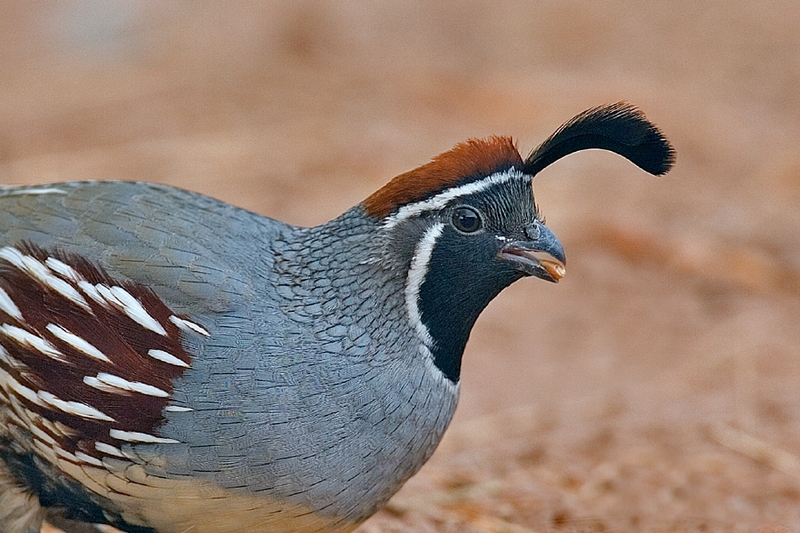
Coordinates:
(542,256)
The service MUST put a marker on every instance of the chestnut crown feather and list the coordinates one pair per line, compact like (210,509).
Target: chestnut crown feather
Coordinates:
(620,128)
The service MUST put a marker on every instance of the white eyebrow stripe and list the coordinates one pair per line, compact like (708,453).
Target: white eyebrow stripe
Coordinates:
(448,195)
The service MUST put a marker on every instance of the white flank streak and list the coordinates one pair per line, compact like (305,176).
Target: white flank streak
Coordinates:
(64,454)
(108,296)
(416,276)
(19,389)
(166,357)
(40,434)
(60,267)
(66,290)
(8,306)
(178,409)
(13,256)
(44,448)
(131,386)
(448,195)
(88,459)
(77,342)
(10,361)
(135,436)
(92,292)
(34,267)
(74,408)
(105,387)
(186,325)
(102,447)
(135,310)
(38,270)
(25,337)
(8,191)
(56,428)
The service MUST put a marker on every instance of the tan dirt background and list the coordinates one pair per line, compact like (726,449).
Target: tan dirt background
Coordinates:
(656,387)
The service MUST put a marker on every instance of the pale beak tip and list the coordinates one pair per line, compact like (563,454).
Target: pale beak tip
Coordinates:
(554,268)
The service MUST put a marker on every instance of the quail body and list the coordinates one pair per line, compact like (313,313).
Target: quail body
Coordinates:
(171,363)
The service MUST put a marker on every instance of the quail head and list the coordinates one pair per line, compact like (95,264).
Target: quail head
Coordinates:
(170,363)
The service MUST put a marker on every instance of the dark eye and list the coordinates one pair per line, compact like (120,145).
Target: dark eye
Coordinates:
(467,220)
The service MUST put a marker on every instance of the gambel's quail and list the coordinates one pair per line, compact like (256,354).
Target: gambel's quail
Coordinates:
(170,363)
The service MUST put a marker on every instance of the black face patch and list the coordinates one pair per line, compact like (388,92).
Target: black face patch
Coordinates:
(464,272)
(462,279)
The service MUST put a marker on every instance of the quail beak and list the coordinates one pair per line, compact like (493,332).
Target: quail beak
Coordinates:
(542,257)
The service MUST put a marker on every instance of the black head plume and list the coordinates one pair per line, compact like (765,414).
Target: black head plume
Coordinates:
(620,128)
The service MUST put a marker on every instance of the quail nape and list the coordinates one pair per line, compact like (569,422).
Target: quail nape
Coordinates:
(170,363)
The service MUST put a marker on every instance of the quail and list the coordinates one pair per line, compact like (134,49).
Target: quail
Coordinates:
(170,363)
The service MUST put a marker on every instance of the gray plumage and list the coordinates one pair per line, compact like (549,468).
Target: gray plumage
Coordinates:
(228,372)
(294,388)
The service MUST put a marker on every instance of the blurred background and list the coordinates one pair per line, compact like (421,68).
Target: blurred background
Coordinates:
(654,388)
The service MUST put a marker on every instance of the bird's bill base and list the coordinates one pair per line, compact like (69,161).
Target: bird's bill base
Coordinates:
(535,263)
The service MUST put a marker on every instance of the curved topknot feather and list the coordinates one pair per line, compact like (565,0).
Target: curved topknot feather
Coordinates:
(621,128)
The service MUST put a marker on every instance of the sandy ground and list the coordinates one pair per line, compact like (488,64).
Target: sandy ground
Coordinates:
(655,387)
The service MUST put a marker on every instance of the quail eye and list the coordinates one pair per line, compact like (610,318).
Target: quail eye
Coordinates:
(467,220)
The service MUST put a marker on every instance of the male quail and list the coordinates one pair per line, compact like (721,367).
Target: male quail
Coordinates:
(170,363)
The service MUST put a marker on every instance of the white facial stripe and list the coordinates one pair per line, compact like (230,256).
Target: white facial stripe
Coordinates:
(448,195)
(439,375)
(416,276)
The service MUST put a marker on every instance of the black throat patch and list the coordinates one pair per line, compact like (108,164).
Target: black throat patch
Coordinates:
(463,276)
